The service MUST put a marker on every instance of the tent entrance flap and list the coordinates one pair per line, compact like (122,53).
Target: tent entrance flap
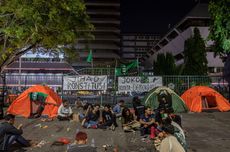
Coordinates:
(209,102)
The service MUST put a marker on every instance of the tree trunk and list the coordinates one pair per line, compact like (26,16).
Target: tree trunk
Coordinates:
(2,96)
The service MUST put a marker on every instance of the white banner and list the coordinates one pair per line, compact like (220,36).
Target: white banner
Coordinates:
(85,82)
(138,84)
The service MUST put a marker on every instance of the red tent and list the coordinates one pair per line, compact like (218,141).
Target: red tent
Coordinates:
(23,105)
(201,98)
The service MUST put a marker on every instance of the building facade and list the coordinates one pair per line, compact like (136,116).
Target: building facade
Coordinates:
(31,69)
(105,16)
(136,46)
(173,41)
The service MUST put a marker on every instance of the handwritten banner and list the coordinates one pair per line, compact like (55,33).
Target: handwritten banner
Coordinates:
(138,84)
(85,82)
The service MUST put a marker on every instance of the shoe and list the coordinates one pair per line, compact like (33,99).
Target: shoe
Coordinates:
(94,126)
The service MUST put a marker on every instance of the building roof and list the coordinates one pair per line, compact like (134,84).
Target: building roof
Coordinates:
(200,10)
(57,66)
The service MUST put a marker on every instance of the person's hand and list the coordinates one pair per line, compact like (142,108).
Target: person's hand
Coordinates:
(145,126)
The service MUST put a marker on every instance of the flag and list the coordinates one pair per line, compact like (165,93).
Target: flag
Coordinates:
(90,57)
(133,64)
(118,71)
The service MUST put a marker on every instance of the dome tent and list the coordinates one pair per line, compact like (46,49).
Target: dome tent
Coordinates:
(24,104)
(200,98)
(152,99)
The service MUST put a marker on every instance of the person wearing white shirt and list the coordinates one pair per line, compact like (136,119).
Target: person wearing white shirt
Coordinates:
(65,111)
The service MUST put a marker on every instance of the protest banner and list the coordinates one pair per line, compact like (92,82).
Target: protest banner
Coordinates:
(85,82)
(138,84)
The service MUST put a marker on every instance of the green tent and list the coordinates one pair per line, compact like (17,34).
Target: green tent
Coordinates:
(151,99)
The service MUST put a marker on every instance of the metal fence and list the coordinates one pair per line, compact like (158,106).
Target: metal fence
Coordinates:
(182,83)
(178,83)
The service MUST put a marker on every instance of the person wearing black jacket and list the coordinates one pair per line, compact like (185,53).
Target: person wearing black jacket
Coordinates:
(109,118)
(138,107)
(10,134)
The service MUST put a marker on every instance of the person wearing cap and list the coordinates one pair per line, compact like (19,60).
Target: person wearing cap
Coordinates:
(10,134)
(170,142)
(80,144)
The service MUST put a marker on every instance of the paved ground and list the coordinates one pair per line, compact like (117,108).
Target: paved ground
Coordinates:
(207,132)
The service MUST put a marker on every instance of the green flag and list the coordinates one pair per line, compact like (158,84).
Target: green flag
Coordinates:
(118,71)
(133,64)
(90,57)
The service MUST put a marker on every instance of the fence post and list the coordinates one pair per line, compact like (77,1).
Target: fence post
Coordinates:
(25,80)
(62,86)
(188,82)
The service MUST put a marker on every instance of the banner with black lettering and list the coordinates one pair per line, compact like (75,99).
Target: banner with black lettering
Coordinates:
(85,82)
(138,84)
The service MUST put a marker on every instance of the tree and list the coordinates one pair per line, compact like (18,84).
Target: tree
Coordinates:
(220,25)
(195,61)
(164,65)
(41,25)
(220,31)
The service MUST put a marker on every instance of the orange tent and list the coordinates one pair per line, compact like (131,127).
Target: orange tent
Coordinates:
(200,98)
(22,104)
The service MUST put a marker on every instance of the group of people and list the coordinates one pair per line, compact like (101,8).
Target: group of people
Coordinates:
(160,124)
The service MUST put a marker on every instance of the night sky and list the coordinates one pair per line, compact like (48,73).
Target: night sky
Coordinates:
(153,16)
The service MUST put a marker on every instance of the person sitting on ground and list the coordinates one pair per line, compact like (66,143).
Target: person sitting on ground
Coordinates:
(165,99)
(147,121)
(176,118)
(79,103)
(128,121)
(138,107)
(117,109)
(92,118)
(65,111)
(170,143)
(160,114)
(178,132)
(9,134)
(109,118)
(84,112)
(37,104)
(80,144)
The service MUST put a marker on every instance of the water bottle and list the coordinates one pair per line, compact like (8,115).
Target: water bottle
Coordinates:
(93,142)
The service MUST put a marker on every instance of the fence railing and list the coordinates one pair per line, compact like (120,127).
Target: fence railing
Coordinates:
(178,83)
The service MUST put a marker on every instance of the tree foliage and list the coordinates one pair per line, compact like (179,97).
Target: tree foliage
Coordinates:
(51,25)
(195,55)
(165,65)
(220,25)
